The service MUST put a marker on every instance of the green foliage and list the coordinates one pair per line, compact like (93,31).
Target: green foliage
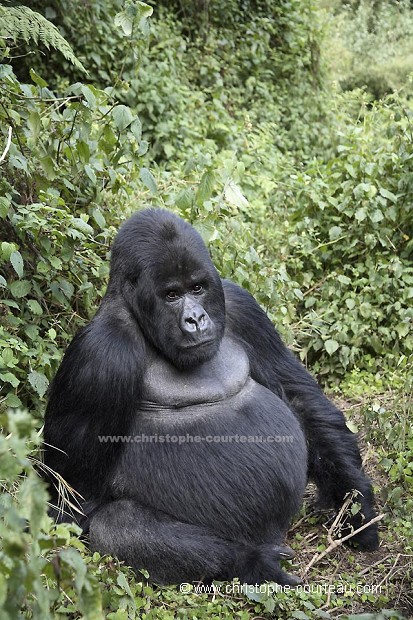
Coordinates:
(110,39)
(23,23)
(68,155)
(389,420)
(358,205)
(302,193)
(33,576)
(371,45)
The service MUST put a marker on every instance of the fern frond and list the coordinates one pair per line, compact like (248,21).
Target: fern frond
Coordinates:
(22,23)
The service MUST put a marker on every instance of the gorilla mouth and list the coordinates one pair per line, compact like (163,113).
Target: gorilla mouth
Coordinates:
(199,343)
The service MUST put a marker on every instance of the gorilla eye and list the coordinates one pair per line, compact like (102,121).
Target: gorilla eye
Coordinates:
(197,289)
(171,295)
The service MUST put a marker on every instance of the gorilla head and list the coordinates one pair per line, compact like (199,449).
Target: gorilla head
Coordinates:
(163,270)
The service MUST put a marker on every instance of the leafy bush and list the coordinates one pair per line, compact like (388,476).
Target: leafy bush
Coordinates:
(371,45)
(359,206)
(66,156)
(33,577)
(302,193)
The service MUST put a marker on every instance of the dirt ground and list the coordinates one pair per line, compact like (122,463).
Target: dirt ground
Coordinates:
(384,571)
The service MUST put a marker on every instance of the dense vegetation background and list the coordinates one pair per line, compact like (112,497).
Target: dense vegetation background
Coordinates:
(283,130)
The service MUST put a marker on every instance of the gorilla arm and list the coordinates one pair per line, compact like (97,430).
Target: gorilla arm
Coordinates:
(334,457)
(95,392)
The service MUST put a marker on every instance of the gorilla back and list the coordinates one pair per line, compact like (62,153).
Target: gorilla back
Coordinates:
(182,419)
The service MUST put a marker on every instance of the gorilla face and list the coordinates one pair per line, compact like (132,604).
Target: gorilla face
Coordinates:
(181,310)
(162,269)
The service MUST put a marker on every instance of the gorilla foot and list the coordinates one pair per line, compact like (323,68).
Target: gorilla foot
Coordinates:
(366,540)
(264,565)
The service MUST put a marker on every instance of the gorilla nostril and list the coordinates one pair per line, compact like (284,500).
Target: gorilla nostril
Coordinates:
(191,324)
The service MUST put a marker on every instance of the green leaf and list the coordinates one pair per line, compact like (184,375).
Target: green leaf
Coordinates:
(122,20)
(8,377)
(35,307)
(352,426)
(403,329)
(37,79)
(252,593)
(144,12)
(386,194)
(81,225)
(360,214)
(331,346)
(39,382)
(124,585)
(234,196)
(13,401)
(20,288)
(8,358)
(335,232)
(89,96)
(7,250)
(10,303)
(122,116)
(47,164)
(83,150)
(32,332)
(300,615)
(18,161)
(377,216)
(99,218)
(205,188)
(90,173)
(136,128)
(343,279)
(143,147)
(17,262)
(23,23)
(365,310)
(5,203)
(72,558)
(148,180)
(67,288)
(34,124)
(185,198)
(55,262)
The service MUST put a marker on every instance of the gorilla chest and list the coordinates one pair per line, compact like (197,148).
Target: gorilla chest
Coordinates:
(203,444)
(224,376)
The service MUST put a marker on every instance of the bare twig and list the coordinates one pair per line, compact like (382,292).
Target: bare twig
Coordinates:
(386,577)
(339,541)
(347,501)
(368,568)
(8,143)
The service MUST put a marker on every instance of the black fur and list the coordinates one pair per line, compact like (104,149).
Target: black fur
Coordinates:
(174,351)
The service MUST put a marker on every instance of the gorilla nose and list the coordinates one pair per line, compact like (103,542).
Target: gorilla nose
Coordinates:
(192,323)
(194,318)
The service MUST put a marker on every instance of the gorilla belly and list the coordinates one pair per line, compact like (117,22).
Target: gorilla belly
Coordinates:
(226,444)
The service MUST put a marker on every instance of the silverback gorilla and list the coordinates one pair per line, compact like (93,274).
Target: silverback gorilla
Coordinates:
(187,426)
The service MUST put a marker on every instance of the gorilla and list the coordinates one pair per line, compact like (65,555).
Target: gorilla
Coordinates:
(186,426)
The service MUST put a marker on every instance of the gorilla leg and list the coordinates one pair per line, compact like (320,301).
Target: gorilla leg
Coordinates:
(335,466)
(176,552)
